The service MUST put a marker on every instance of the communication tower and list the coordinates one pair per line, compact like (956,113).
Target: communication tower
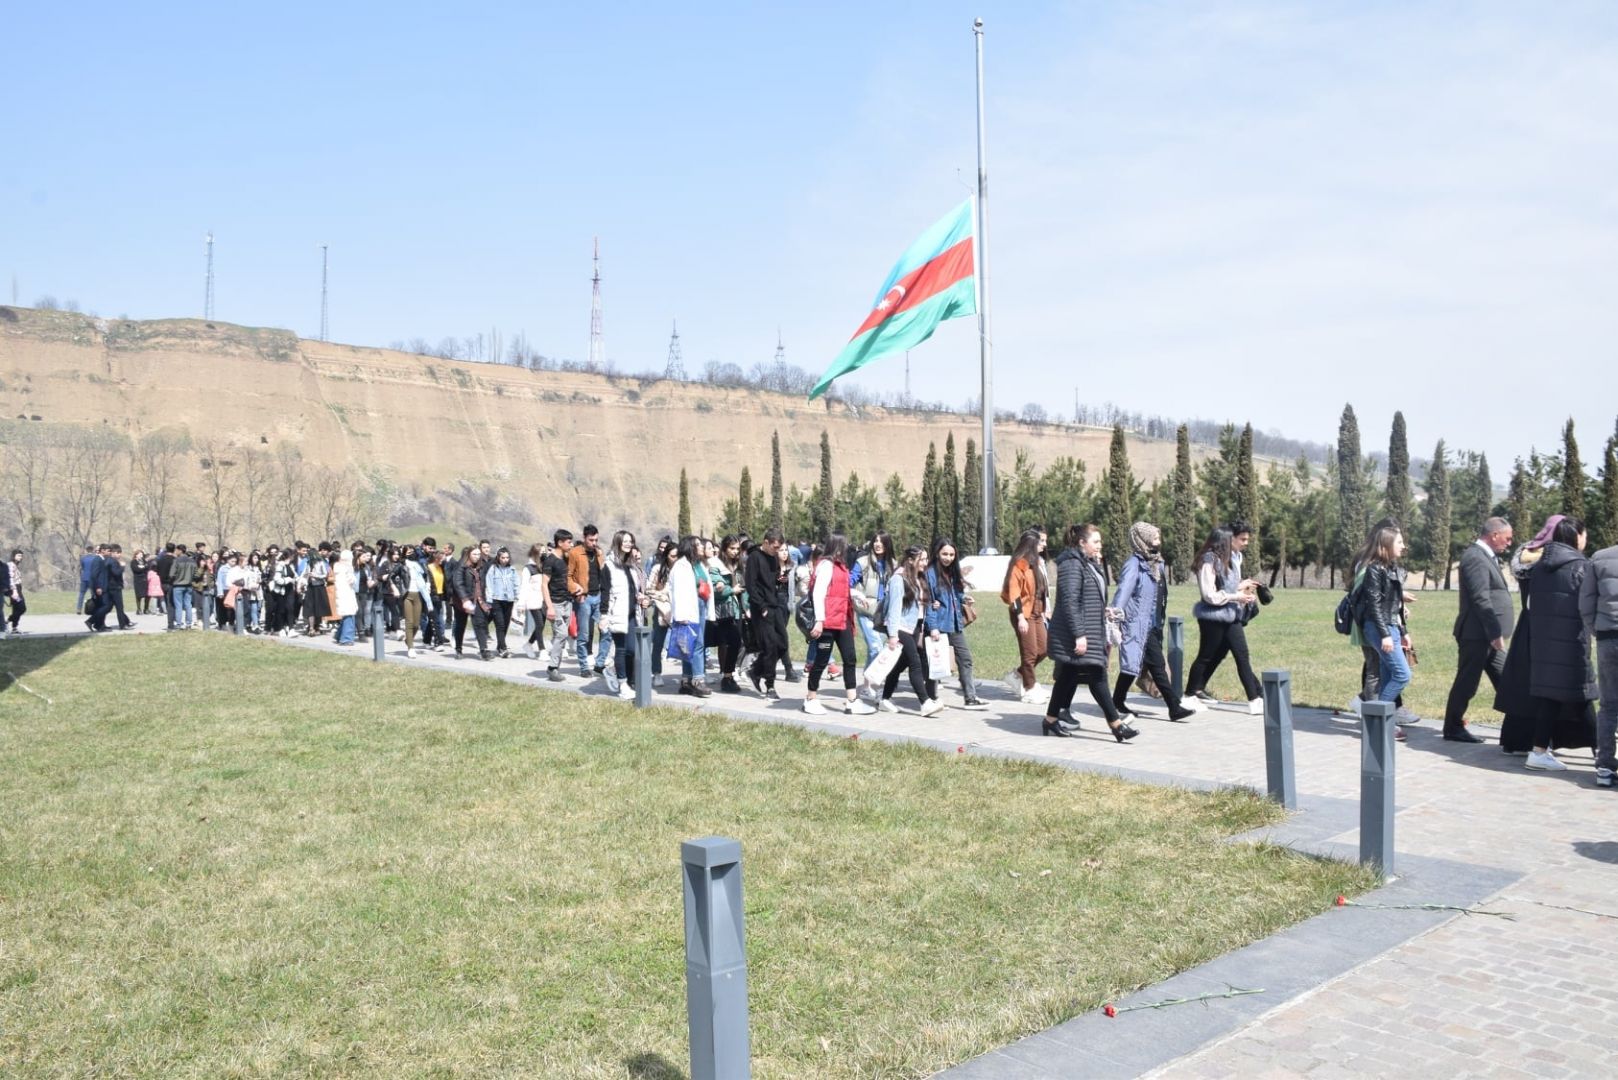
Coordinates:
(675,368)
(207,295)
(324,335)
(598,344)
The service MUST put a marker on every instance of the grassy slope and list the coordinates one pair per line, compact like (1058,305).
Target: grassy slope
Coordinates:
(225,858)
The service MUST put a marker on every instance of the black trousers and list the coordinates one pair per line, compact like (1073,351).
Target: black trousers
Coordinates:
(480,628)
(96,608)
(726,634)
(771,627)
(502,621)
(1477,659)
(1216,640)
(1154,664)
(820,650)
(116,600)
(911,660)
(18,608)
(1068,679)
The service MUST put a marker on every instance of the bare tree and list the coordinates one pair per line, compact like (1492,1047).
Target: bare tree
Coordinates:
(87,466)
(219,484)
(27,461)
(255,473)
(155,484)
(288,490)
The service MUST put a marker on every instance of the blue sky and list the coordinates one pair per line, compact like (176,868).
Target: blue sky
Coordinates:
(1244,211)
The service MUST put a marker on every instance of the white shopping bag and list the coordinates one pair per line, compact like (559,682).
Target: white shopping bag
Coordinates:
(939,655)
(877,671)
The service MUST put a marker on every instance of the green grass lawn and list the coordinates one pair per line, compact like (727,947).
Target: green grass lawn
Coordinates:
(225,858)
(1295,633)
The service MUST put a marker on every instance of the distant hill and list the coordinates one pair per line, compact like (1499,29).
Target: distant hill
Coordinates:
(491,449)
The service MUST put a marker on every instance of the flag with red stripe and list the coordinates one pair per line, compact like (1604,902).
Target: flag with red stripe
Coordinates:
(931,282)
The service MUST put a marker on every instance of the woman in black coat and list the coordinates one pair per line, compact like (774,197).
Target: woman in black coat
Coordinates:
(1077,638)
(1560,678)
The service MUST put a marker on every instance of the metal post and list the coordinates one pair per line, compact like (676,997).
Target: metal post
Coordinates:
(985,345)
(378,637)
(241,612)
(1177,654)
(1283,782)
(715,959)
(1376,786)
(643,665)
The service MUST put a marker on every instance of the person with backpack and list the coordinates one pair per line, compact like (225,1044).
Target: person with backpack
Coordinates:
(833,625)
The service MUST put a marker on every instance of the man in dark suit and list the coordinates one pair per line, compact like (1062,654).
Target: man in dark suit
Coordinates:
(100,592)
(1482,626)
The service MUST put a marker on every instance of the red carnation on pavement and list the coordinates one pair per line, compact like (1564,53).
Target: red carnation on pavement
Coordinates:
(1341,900)
(960,749)
(1109,1010)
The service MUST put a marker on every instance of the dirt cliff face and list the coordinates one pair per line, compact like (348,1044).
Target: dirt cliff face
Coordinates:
(563,447)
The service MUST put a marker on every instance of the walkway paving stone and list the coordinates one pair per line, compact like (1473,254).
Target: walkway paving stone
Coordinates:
(1434,994)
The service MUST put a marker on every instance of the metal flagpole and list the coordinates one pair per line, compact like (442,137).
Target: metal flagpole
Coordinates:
(984,348)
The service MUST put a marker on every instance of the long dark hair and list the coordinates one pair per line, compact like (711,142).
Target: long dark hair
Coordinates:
(887,549)
(1217,545)
(836,549)
(1028,550)
(915,585)
(950,576)
(1567,531)
(1378,547)
(621,557)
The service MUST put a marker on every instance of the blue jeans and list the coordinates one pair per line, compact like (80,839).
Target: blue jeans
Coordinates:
(874,641)
(1393,670)
(250,611)
(183,612)
(345,630)
(589,613)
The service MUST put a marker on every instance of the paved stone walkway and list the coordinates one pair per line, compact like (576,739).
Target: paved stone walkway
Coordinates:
(1441,994)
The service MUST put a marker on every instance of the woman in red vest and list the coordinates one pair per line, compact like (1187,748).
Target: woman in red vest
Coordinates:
(834,623)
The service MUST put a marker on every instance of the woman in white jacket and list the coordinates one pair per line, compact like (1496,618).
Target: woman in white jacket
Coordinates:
(531,601)
(623,612)
(348,604)
(685,609)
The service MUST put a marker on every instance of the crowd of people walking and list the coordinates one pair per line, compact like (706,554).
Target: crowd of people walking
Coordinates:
(725,608)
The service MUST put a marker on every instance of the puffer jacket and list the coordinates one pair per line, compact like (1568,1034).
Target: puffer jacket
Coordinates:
(1144,602)
(1080,610)
(1598,601)
(1559,649)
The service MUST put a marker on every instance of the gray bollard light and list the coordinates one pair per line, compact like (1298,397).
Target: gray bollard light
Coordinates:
(643,665)
(1278,766)
(715,959)
(1376,786)
(378,637)
(1176,652)
(241,613)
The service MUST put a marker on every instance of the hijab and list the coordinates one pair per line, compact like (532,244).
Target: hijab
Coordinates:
(1147,542)
(1543,536)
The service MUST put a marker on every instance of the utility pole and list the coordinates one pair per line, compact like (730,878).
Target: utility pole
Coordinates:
(324,329)
(598,344)
(675,368)
(207,294)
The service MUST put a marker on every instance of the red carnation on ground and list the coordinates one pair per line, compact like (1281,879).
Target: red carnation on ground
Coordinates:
(1109,1010)
(1341,900)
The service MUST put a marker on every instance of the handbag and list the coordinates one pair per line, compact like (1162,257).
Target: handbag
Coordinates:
(876,672)
(1225,613)
(804,614)
(969,613)
(682,641)
(1115,629)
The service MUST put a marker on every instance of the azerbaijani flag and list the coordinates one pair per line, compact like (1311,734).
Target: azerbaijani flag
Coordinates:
(931,282)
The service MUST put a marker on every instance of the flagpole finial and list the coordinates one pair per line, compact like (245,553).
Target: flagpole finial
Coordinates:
(977,24)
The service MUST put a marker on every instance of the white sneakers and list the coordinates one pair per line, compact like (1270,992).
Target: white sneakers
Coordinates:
(1255,707)
(411,653)
(626,692)
(1038,695)
(858,708)
(932,708)
(813,707)
(1546,762)
(887,706)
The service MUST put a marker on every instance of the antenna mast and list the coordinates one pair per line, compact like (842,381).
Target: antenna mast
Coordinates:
(675,368)
(598,344)
(324,334)
(207,295)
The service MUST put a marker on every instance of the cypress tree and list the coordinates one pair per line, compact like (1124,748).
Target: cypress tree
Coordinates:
(950,491)
(1120,513)
(1484,493)
(744,503)
(1182,541)
(777,493)
(684,526)
(970,539)
(1438,514)
(1351,488)
(1247,484)
(1399,473)
(1572,474)
(929,496)
(824,510)
(1517,499)
(1609,494)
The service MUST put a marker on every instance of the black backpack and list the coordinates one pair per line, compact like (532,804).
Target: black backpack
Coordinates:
(1342,619)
